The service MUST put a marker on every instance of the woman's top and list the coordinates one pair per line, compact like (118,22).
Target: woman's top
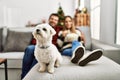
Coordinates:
(66,42)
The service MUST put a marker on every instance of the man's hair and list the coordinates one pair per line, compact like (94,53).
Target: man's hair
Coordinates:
(54,14)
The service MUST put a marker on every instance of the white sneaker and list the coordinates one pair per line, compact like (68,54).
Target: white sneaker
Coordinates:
(94,55)
(77,54)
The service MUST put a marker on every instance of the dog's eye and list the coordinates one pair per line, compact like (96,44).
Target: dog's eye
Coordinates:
(44,29)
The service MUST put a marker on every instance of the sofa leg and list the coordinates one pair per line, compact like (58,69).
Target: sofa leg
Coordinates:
(6,73)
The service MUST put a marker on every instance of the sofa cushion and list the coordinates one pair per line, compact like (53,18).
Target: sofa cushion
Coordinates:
(87,33)
(17,40)
(14,59)
(95,70)
(1,30)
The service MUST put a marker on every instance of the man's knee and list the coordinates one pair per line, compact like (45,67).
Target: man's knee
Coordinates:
(30,49)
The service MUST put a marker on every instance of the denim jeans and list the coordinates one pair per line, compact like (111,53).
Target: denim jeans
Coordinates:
(69,51)
(28,60)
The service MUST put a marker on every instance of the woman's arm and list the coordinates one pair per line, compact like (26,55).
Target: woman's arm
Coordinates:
(83,37)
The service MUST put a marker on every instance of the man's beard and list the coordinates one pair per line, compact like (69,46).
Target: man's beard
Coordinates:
(52,24)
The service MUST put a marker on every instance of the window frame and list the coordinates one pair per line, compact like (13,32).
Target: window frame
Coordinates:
(95,34)
(117,40)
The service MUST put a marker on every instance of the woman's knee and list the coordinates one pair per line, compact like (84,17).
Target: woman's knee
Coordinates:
(67,52)
(75,43)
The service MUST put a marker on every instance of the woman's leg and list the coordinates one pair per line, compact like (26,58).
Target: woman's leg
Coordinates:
(75,44)
(28,60)
(92,56)
(67,52)
(77,51)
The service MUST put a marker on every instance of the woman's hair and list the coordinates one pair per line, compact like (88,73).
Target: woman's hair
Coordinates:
(72,29)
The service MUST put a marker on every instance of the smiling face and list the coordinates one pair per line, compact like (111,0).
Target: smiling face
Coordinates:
(43,32)
(53,20)
(68,22)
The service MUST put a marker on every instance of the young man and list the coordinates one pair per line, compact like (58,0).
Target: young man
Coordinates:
(29,59)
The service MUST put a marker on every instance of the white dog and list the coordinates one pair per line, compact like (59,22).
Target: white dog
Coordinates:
(46,53)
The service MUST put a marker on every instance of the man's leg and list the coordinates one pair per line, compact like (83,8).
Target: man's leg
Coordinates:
(77,51)
(28,60)
(33,63)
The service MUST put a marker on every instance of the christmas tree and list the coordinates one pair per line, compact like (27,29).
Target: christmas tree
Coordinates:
(61,16)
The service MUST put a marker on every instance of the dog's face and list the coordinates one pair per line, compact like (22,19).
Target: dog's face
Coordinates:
(43,32)
(71,37)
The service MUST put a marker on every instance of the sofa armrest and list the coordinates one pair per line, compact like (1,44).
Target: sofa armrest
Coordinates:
(109,51)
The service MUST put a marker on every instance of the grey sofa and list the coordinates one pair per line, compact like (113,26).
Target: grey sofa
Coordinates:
(15,56)
(13,42)
(102,69)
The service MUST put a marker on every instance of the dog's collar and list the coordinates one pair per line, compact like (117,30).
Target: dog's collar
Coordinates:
(43,47)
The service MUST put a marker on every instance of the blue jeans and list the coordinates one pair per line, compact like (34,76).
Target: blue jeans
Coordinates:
(28,60)
(69,51)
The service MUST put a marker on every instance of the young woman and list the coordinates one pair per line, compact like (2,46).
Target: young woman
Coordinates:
(70,42)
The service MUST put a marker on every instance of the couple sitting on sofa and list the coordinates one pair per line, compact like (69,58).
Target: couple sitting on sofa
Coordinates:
(73,47)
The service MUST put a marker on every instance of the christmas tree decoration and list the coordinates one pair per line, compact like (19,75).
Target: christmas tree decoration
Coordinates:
(60,13)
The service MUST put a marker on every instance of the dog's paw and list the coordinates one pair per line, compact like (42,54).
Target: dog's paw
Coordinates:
(57,65)
(51,71)
(41,70)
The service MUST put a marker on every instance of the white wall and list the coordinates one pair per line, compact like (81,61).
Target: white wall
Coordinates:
(19,12)
(87,5)
(108,21)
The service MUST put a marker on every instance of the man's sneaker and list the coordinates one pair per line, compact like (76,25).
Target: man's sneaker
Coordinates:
(96,54)
(77,54)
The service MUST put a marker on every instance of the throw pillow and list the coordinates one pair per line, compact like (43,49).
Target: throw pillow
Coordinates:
(1,30)
(87,33)
(17,41)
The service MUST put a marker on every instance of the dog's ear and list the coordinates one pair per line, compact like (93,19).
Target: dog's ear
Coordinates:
(33,35)
(52,31)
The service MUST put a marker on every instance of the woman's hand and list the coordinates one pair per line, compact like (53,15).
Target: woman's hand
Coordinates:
(82,37)
(64,33)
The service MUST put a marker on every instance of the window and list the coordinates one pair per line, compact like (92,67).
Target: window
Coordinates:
(118,23)
(95,19)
